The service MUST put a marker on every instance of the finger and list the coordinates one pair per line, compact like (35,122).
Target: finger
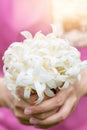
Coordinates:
(20,92)
(43,116)
(20,114)
(20,104)
(10,102)
(60,116)
(49,104)
(24,121)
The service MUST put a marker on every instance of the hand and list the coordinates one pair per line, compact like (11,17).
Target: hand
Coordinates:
(63,104)
(20,105)
(17,107)
(6,99)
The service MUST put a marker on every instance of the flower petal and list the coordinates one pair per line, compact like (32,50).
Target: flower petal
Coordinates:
(49,92)
(51,84)
(65,86)
(40,90)
(27,92)
(26,34)
(24,79)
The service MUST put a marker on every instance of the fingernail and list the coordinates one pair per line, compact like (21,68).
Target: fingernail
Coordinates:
(33,121)
(27,111)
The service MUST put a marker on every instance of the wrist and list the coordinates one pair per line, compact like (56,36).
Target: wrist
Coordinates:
(6,99)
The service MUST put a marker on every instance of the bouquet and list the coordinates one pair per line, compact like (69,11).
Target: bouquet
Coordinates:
(42,63)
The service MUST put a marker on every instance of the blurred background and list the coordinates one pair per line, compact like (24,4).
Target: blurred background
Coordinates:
(70,16)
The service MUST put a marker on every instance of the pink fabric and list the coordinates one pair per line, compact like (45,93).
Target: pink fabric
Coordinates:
(18,15)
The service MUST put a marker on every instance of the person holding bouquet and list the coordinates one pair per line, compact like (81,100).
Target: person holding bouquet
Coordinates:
(64,111)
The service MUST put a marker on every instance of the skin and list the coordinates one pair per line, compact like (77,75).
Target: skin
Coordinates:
(51,111)
(6,99)
(64,103)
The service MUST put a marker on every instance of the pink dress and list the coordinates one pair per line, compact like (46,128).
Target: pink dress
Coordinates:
(18,15)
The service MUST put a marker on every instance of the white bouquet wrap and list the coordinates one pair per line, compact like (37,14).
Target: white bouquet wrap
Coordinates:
(41,63)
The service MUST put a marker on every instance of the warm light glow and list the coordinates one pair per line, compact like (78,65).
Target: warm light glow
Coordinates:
(69,9)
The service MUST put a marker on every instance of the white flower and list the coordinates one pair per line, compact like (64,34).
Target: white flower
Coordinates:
(41,63)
